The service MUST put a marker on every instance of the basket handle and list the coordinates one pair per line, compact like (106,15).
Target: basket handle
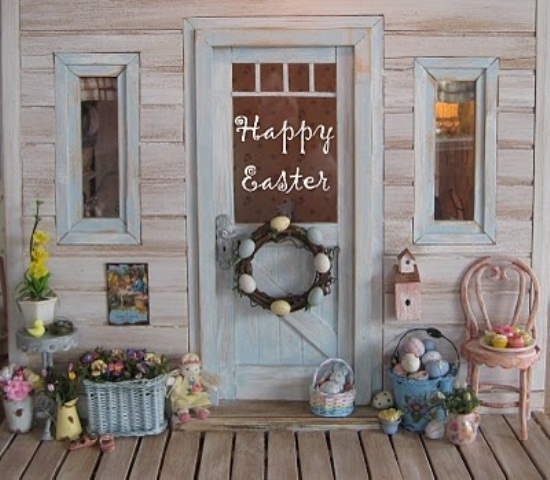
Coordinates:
(327,361)
(434,333)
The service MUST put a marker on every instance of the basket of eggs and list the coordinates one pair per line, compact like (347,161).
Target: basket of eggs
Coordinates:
(418,372)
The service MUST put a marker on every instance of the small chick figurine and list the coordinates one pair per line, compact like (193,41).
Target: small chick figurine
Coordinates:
(187,392)
(38,329)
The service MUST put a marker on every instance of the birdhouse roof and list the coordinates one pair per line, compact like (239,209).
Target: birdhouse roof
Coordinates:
(405,253)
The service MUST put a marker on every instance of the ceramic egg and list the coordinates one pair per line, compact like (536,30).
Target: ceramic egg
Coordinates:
(322,263)
(488,336)
(247,283)
(437,368)
(500,341)
(315,296)
(280,308)
(435,429)
(280,223)
(429,344)
(399,370)
(246,248)
(420,375)
(383,400)
(410,362)
(430,356)
(315,236)
(414,345)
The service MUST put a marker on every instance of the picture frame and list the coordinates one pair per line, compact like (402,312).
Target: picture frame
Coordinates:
(127,293)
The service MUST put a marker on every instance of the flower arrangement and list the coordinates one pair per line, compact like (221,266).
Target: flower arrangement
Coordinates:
(462,400)
(35,284)
(390,415)
(18,382)
(61,387)
(117,365)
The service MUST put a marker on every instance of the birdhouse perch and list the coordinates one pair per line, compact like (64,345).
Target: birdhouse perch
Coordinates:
(407,287)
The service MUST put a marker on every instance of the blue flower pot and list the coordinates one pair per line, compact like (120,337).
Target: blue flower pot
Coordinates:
(390,428)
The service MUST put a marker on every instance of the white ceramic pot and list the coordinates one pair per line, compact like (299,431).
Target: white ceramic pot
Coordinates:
(18,414)
(33,310)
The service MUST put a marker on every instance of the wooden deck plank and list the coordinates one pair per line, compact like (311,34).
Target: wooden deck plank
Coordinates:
(6,437)
(149,456)
(249,455)
(47,460)
(282,463)
(446,460)
(480,459)
(116,464)
(536,444)
(14,461)
(216,456)
(381,459)
(543,421)
(507,449)
(181,455)
(347,455)
(314,456)
(79,464)
(411,456)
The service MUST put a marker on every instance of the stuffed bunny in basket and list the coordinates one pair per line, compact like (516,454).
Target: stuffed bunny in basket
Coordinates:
(187,389)
(336,381)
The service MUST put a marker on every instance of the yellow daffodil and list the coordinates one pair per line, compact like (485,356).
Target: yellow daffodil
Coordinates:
(40,237)
(38,269)
(40,254)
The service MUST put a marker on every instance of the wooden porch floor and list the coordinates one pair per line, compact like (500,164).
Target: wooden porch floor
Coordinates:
(238,443)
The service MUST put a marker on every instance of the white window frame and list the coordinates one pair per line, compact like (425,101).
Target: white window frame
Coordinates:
(428,72)
(72,226)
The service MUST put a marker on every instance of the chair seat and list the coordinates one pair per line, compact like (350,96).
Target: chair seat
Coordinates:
(473,352)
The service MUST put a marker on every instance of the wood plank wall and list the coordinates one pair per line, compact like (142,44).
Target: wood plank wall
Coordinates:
(153,29)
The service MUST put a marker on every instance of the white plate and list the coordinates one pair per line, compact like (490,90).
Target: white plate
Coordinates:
(506,349)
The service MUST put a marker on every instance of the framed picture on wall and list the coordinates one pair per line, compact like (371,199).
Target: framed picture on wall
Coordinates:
(127,293)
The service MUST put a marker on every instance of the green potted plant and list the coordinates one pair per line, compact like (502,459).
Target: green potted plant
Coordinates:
(462,418)
(35,297)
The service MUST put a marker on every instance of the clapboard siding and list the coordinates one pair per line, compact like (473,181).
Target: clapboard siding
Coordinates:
(449,16)
(162,160)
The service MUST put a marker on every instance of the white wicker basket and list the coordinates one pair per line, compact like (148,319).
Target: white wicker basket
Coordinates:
(128,408)
(331,404)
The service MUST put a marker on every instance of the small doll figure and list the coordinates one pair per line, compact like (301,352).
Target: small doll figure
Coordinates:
(188,389)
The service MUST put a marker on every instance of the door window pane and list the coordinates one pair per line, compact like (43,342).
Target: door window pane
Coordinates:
(285,150)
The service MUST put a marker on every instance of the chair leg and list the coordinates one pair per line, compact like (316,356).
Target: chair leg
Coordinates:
(524,394)
(473,376)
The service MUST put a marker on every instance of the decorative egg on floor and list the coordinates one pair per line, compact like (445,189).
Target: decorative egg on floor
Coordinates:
(410,362)
(435,429)
(429,344)
(414,345)
(430,356)
(383,400)
(437,368)
(399,370)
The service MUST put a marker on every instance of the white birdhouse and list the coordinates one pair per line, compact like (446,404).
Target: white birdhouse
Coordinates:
(406,262)
(407,288)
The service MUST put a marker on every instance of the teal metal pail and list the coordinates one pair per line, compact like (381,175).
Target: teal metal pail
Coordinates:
(417,399)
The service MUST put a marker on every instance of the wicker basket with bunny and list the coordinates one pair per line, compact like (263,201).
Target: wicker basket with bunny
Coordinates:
(332,392)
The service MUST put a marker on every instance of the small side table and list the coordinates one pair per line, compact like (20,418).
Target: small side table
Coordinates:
(46,345)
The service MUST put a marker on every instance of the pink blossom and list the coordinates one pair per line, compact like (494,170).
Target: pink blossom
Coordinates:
(17,390)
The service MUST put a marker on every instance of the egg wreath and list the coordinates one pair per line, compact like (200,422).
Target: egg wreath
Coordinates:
(278,230)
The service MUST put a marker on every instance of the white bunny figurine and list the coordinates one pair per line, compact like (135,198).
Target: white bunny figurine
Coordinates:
(336,381)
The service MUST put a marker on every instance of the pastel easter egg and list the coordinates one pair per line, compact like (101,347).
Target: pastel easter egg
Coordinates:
(435,429)
(280,223)
(246,248)
(315,296)
(322,263)
(414,345)
(437,368)
(280,308)
(383,400)
(410,362)
(420,375)
(430,356)
(429,344)
(399,370)
(315,236)
(247,283)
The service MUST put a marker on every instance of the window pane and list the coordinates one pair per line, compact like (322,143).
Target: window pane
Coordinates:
(271,77)
(325,77)
(298,77)
(455,113)
(100,175)
(243,77)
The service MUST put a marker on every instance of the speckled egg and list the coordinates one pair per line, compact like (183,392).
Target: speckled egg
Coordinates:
(315,236)
(280,223)
(280,308)
(414,345)
(246,248)
(322,263)
(382,400)
(315,296)
(410,362)
(435,429)
(429,344)
(247,283)
(430,356)
(399,370)
(437,368)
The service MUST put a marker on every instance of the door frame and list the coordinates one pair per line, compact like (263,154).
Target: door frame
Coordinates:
(365,36)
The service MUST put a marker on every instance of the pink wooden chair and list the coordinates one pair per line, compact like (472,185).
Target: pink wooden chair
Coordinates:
(502,278)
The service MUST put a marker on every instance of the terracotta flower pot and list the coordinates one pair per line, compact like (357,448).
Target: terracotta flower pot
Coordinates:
(462,428)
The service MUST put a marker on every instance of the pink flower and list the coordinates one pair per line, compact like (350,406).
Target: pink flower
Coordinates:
(17,390)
